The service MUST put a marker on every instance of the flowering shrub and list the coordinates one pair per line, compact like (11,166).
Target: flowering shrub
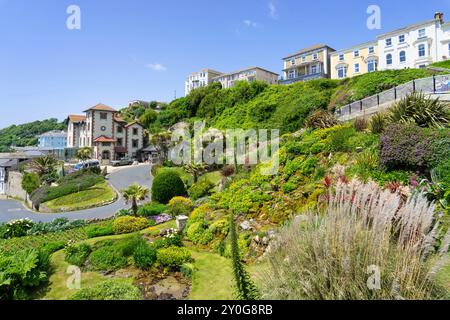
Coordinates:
(173,257)
(162,218)
(180,206)
(129,224)
(15,228)
(405,146)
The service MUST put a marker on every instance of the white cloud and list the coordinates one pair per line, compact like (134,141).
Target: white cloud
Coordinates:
(273,12)
(250,23)
(156,67)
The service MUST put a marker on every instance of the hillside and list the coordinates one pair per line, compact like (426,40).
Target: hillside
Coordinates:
(25,134)
(258,105)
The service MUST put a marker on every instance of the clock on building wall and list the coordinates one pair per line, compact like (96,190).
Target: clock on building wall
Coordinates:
(103,128)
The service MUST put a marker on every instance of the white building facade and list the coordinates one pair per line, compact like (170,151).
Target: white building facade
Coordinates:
(415,46)
(200,79)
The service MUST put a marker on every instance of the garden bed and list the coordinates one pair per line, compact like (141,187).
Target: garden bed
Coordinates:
(97,196)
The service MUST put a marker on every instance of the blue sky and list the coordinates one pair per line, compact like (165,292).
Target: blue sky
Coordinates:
(143,49)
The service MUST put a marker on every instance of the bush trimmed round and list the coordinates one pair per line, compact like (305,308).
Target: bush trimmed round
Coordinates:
(166,186)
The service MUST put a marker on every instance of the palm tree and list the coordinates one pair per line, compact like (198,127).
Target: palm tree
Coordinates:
(84,154)
(133,194)
(44,165)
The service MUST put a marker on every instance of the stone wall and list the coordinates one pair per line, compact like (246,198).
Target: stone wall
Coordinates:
(14,187)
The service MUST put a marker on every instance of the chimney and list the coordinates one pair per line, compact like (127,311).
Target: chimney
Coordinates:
(439,16)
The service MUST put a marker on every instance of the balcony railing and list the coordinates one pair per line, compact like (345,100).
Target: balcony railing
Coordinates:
(306,77)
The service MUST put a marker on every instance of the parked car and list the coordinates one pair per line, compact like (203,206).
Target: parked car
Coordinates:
(85,165)
(123,162)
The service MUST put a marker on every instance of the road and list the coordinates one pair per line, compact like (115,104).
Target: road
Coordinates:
(120,179)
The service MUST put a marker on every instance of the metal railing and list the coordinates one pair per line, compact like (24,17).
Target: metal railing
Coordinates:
(434,84)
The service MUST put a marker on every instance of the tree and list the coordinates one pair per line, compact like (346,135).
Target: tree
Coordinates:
(166,185)
(44,165)
(148,118)
(196,170)
(162,142)
(30,182)
(133,194)
(84,154)
(245,287)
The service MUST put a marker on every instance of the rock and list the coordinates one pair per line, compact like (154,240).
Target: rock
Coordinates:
(265,241)
(245,225)
(359,149)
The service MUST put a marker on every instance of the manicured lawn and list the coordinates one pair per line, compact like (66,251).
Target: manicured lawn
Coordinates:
(98,195)
(212,278)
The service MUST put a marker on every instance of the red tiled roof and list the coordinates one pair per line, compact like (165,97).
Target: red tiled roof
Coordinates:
(76,118)
(104,139)
(101,107)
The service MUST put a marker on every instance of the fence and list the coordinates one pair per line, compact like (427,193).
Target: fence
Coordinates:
(434,84)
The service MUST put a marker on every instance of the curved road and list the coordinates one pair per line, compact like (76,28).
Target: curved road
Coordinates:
(119,179)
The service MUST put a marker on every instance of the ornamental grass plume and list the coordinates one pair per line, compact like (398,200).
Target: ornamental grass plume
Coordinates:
(339,253)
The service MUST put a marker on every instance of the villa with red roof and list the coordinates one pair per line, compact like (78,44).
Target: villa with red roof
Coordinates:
(103,130)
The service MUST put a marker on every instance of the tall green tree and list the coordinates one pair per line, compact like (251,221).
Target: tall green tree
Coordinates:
(133,194)
(44,165)
(148,118)
(245,287)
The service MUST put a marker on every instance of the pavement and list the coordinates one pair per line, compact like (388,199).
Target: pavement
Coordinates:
(119,179)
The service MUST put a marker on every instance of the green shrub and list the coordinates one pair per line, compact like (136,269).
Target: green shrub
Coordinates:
(15,228)
(22,272)
(96,231)
(77,255)
(173,257)
(57,225)
(107,258)
(187,269)
(339,139)
(30,182)
(151,209)
(179,206)
(129,224)
(128,245)
(53,247)
(144,256)
(109,290)
(200,189)
(360,124)
(166,186)
(377,123)
(421,110)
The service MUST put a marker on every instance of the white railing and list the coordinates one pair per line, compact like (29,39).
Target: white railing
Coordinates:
(434,84)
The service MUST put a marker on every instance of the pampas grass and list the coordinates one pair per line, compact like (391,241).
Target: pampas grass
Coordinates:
(331,255)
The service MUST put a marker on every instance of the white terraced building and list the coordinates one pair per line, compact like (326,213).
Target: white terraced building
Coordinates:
(200,79)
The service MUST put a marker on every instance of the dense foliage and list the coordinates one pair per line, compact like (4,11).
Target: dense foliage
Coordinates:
(129,224)
(26,134)
(167,185)
(67,185)
(21,272)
